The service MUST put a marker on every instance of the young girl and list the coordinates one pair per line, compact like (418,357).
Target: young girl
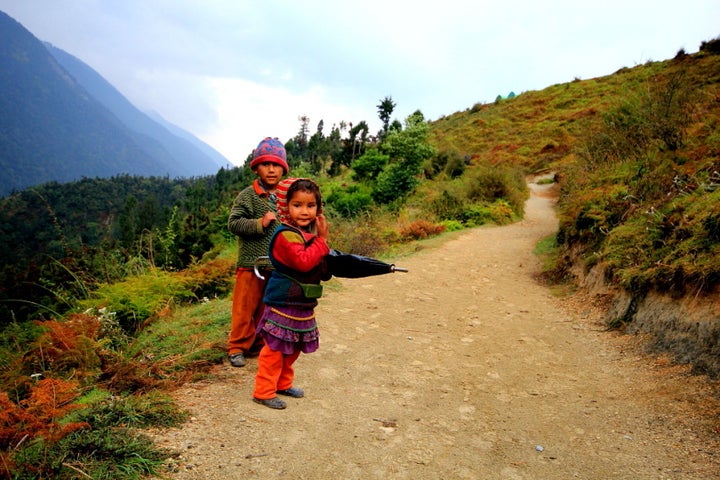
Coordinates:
(298,251)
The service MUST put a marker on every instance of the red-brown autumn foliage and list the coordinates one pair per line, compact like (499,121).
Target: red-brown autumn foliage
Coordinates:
(39,414)
(420,229)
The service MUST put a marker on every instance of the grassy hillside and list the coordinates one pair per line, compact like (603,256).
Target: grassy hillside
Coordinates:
(637,154)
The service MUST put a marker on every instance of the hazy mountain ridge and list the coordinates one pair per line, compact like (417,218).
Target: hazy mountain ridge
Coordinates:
(61,121)
(187,155)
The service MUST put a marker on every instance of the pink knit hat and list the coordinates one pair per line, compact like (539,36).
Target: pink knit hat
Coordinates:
(270,150)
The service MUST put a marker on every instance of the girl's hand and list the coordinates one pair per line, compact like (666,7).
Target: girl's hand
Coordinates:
(323,229)
(267,219)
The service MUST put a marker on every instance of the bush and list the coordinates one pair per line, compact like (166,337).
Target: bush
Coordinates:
(711,46)
(420,229)
(395,182)
(369,165)
(455,166)
(350,202)
(452,225)
(136,299)
(448,206)
(498,212)
(359,235)
(655,118)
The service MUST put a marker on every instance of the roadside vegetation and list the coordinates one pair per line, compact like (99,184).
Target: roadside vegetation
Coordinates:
(106,309)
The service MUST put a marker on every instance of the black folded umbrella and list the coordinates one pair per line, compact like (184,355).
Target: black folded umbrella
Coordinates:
(350,265)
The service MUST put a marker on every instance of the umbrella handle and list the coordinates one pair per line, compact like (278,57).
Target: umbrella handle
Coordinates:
(255,267)
(393,268)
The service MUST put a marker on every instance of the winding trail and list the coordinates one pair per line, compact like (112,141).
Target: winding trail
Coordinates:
(464,368)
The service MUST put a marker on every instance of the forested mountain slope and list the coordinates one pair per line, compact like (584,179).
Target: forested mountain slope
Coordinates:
(53,128)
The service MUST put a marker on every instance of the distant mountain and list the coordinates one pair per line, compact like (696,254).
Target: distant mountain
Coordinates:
(218,157)
(61,126)
(185,148)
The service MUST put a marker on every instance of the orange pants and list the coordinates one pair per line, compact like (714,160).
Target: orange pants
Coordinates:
(274,372)
(247,307)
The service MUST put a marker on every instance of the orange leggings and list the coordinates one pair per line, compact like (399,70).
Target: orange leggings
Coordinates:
(274,372)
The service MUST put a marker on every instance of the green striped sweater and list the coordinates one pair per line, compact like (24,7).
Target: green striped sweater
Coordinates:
(245,222)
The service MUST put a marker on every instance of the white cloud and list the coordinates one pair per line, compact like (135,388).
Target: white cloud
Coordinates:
(247,112)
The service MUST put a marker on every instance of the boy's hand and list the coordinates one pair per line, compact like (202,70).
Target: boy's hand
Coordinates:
(267,219)
(323,229)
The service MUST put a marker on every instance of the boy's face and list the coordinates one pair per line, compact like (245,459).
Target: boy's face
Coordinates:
(270,174)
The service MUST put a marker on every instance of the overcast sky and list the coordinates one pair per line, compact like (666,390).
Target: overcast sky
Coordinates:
(234,71)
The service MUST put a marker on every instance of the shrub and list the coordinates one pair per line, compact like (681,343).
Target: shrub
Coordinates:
(360,235)
(452,163)
(209,279)
(395,182)
(448,206)
(656,116)
(136,299)
(455,166)
(710,46)
(420,229)
(350,202)
(452,225)
(367,166)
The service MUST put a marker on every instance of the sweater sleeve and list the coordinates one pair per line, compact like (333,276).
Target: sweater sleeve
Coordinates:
(291,250)
(244,221)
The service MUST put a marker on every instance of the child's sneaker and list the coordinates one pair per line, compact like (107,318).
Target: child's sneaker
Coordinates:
(274,402)
(292,392)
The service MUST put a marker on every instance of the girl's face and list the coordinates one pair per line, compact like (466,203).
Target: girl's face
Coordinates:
(302,208)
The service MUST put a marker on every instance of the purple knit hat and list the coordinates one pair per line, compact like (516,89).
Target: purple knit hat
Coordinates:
(270,150)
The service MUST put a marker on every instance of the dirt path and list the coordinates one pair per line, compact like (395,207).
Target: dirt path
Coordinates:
(464,368)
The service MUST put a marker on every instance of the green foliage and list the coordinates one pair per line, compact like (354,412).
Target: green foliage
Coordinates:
(548,251)
(407,150)
(711,46)
(659,114)
(103,454)
(137,298)
(362,235)
(14,338)
(409,145)
(499,212)
(351,201)
(369,165)
(385,110)
(452,225)
(455,166)
(395,182)
(188,341)
(484,195)
(152,409)
(57,241)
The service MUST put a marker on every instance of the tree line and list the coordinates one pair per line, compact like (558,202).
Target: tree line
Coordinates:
(57,240)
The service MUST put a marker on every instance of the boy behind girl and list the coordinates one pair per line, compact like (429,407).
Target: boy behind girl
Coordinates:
(253,220)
